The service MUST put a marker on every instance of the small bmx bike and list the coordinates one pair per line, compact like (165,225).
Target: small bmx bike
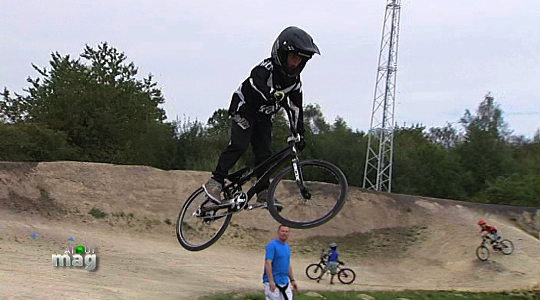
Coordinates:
(482,252)
(316,271)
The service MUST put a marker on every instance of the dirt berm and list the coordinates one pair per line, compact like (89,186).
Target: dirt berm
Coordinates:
(393,242)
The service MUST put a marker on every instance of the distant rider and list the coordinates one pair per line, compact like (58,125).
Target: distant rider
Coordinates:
(491,232)
(332,263)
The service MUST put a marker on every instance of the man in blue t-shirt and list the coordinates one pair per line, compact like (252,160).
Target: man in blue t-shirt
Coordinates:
(278,276)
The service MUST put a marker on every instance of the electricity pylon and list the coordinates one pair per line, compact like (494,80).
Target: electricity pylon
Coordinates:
(378,167)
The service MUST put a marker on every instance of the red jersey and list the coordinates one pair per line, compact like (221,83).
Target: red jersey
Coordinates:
(489,229)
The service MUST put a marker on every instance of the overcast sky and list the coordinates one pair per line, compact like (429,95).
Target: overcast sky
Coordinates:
(451,53)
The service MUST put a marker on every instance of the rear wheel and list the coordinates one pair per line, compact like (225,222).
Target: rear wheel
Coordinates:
(507,247)
(198,227)
(324,195)
(482,252)
(313,271)
(346,276)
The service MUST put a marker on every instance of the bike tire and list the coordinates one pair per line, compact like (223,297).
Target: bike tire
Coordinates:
(482,253)
(341,184)
(507,247)
(346,276)
(313,271)
(179,225)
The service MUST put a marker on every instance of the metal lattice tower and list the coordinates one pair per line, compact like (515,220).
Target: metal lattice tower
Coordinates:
(378,168)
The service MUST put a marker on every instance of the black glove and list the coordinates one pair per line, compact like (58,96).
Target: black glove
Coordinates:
(341,263)
(301,145)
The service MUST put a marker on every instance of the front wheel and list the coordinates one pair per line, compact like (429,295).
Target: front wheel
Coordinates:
(314,271)
(346,276)
(320,197)
(198,225)
(507,247)
(482,252)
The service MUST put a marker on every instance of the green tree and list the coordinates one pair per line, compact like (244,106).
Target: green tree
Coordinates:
(422,167)
(516,189)
(219,125)
(103,109)
(12,110)
(485,153)
(314,120)
(447,136)
(340,145)
(30,142)
(193,151)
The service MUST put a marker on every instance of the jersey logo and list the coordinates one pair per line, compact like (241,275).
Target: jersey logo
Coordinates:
(267,64)
(268,109)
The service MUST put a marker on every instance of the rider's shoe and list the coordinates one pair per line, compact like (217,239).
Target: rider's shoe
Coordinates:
(262,196)
(212,188)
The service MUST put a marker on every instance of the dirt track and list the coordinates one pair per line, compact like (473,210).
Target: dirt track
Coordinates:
(392,241)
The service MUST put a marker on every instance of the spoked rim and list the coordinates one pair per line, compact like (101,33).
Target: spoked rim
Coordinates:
(507,247)
(482,252)
(327,191)
(313,271)
(195,232)
(346,276)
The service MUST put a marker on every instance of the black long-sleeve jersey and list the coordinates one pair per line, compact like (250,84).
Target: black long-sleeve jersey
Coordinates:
(254,95)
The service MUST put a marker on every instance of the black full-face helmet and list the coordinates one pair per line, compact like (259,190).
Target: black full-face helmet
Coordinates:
(296,40)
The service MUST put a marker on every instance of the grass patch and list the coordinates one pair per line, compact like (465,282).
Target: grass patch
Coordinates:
(411,295)
(96,213)
(168,221)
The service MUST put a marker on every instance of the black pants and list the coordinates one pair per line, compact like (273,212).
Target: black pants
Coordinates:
(259,134)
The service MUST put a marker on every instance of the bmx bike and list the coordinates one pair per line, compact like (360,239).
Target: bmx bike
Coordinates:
(311,191)
(505,246)
(316,271)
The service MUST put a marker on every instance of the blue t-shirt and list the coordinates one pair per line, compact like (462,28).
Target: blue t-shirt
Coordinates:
(333,255)
(280,255)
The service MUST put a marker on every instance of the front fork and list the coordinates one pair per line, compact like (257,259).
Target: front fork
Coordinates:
(300,179)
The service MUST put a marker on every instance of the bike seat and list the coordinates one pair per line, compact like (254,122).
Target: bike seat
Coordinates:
(237,175)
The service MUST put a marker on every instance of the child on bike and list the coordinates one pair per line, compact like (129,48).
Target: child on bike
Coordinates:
(255,102)
(492,233)
(332,263)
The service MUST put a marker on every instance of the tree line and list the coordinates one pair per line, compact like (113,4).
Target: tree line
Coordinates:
(93,108)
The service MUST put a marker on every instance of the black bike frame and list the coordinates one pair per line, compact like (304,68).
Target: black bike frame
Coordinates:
(269,166)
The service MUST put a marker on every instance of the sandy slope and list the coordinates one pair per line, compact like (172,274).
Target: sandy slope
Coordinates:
(392,241)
